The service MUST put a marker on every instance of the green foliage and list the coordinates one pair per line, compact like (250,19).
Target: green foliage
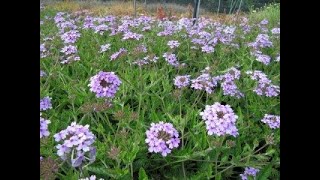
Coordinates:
(148,95)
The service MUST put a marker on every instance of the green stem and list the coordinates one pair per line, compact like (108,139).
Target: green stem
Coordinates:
(131,167)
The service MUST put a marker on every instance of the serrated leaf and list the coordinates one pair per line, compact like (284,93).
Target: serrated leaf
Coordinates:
(142,174)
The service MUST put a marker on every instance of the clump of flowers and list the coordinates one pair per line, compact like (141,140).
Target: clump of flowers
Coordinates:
(182,81)
(93,177)
(69,49)
(43,51)
(262,41)
(272,121)
(115,55)
(173,44)
(70,36)
(228,84)
(162,138)
(220,120)
(249,171)
(105,84)
(132,35)
(146,60)
(45,103)
(204,82)
(207,49)
(265,59)
(44,132)
(264,87)
(42,73)
(76,144)
(104,48)
(171,59)
(70,54)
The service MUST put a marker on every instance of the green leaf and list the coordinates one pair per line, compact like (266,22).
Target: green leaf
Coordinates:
(265,172)
(142,174)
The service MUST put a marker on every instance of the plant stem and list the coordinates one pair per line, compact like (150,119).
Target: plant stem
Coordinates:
(131,167)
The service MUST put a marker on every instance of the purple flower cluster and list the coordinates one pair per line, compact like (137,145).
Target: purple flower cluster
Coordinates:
(220,120)
(45,103)
(146,60)
(171,59)
(162,138)
(228,84)
(69,49)
(105,84)
(207,49)
(104,48)
(264,87)
(44,132)
(173,44)
(272,121)
(265,59)
(115,55)
(140,48)
(262,41)
(249,171)
(43,51)
(204,82)
(132,35)
(42,73)
(182,81)
(101,29)
(93,177)
(275,31)
(70,36)
(76,144)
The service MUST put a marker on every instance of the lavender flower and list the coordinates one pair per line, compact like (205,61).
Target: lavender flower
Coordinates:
(141,48)
(262,41)
(249,171)
(231,89)
(104,48)
(42,73)
(182,81)
(264,87)
(272,121)
(173,44)
(45,103)
(267,89)
(43,51)
(171,59)
(220,120)
(162,138)
(275,31)
(100,28)
(105,84)
(44,127)
(132,35)
(69,49)
(207,49)
(265,59)
(115,55)
(264,22)
(76,144)
(204,82)
(70,36)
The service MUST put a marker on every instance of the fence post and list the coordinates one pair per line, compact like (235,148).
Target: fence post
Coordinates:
(196,11)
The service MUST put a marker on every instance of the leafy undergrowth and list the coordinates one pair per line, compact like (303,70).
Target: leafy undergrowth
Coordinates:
(214,86)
